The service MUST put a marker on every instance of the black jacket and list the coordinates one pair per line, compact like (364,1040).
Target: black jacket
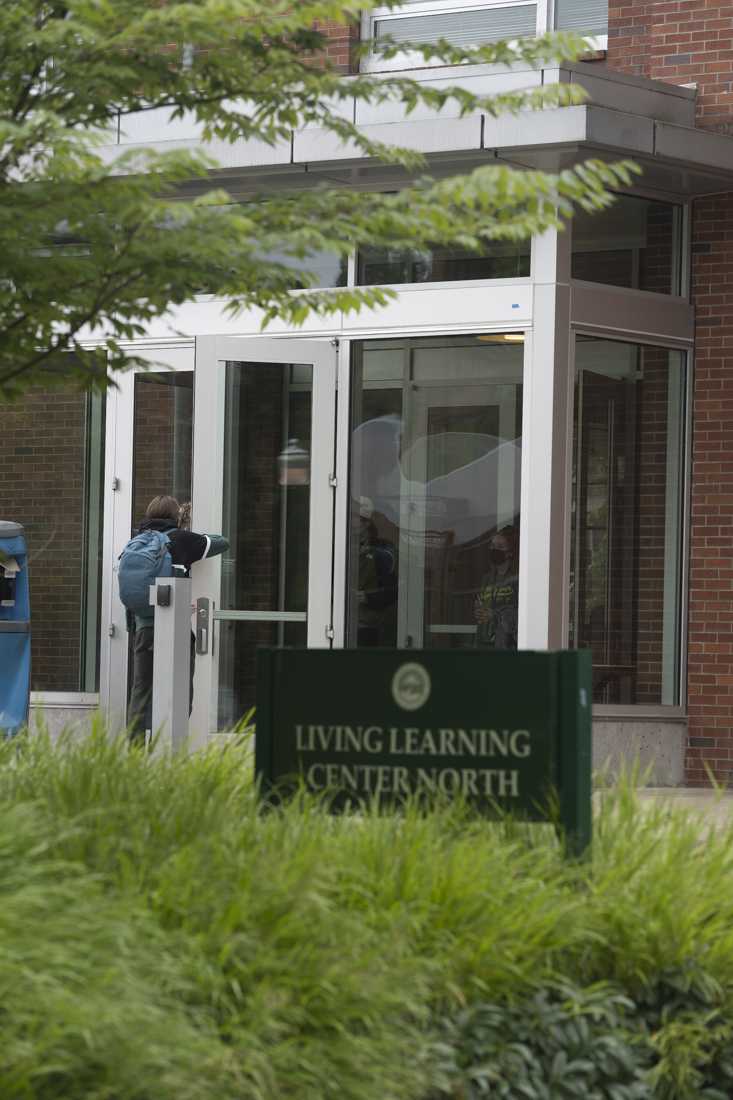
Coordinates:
(186,547)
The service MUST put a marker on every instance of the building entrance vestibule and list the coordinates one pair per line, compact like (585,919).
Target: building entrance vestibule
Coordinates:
(374,493)
(384,537)
(433,456)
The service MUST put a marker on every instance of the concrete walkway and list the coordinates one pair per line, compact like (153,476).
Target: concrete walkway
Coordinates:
(713,807)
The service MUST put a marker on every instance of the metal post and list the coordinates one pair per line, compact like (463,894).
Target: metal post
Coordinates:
(171,597)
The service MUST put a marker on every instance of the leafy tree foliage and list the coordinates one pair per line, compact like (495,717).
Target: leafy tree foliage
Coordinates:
(98,238)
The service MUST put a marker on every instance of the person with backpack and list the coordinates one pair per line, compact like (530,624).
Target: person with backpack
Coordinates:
(162,547)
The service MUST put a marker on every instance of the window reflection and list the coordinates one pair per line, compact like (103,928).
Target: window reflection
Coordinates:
(163,445)
(626,570)
(52,449)
(435,490)
(500,260)
(635,243)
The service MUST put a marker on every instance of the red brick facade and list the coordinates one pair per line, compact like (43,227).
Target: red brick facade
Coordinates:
(685,42)
(341,42)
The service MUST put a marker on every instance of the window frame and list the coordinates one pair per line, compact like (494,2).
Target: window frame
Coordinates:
(639,711)
(546,20)
(681,251)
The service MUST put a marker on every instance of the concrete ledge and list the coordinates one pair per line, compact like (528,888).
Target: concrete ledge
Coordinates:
(657,744)
(56,718)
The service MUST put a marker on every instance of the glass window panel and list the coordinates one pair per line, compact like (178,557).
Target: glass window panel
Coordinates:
(162,447)
(435,491)
(470,27)
(626,570)
(318,269)
(51,464)
(266,506)
(266,517)
(501,260)
(238,643)
(635,243)
(163,435)
(586,16)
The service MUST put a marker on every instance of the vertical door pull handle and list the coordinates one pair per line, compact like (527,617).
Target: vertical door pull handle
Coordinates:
(202,625)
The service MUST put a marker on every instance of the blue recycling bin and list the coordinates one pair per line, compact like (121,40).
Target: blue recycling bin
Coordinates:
(15,629)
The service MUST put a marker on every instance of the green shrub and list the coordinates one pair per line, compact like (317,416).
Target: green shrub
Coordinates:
(300,993)
(560,1044)
(164,937)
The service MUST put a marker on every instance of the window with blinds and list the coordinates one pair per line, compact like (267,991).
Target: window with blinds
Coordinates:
(584,16)
(462,26)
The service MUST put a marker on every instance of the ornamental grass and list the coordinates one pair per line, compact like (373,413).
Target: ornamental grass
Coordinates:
(161,936)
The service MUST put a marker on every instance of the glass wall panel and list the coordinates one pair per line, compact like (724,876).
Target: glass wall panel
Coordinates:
(626,568)
(239,642)
(163,438)
(266,507)
(635,243)
(162,447)
(51,465)
(502,260)
(435,491)
(317,269)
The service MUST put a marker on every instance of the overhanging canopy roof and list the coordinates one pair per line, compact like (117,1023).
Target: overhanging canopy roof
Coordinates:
(649,121)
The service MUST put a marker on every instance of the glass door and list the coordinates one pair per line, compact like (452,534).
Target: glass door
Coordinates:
(148,454)
(263,477)
(462,464)
(436,433)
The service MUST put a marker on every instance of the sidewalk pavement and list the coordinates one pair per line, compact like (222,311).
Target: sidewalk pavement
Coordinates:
(713,807)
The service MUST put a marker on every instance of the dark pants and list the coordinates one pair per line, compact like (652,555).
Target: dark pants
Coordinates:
(140,707)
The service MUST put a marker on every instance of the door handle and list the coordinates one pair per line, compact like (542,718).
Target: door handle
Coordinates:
(202,625)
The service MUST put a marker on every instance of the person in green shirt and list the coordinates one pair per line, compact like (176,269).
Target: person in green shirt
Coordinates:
(497,600)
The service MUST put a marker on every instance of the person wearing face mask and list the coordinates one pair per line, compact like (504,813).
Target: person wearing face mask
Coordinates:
(497,601)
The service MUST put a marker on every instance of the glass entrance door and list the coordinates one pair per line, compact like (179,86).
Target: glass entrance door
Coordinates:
(148,454)
(435,492)
(263,477)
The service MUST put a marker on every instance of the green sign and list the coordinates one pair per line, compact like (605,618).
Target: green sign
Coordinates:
(502,730)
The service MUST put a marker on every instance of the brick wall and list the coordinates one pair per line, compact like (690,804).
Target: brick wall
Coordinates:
(341,42)
(682,42)
(42,458)
(691,41)
(710,667)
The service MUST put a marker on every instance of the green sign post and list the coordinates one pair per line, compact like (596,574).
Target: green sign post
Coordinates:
(502,730)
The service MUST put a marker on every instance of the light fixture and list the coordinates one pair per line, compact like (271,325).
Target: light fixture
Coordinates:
(501,338)
(293,465)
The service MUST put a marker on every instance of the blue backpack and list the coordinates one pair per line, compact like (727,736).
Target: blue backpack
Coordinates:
(146,557)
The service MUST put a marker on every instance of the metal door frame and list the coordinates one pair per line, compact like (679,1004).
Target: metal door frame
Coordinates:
(118,475)
(212,354)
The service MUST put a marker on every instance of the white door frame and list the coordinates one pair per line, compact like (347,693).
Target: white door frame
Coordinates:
(119,442)
(212,354)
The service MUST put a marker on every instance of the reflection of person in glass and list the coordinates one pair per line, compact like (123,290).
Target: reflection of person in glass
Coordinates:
(377,592)
(497,601)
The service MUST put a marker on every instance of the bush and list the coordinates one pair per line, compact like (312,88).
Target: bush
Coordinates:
(560,1044)
(163,937)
